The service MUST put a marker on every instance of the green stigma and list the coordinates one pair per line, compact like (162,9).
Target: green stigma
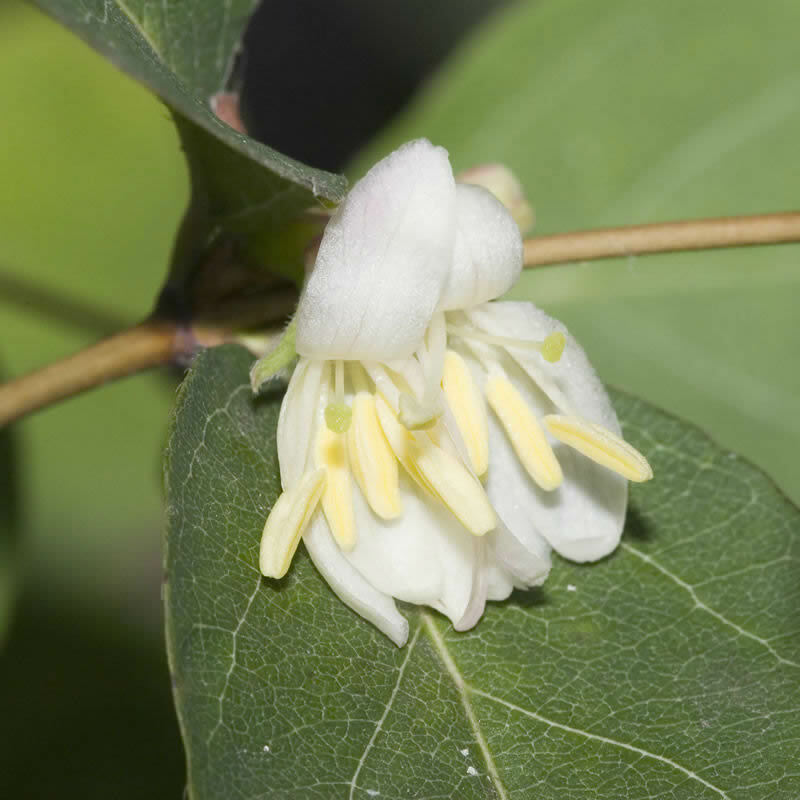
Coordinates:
(338,417)
(553,347)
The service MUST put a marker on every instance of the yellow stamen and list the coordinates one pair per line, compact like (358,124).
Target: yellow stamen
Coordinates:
(401,442)
(337,499)
(468,409)
(438,473)
(525,433)
(455,486)
(372,460)
(602,446)
(286,523)
(553,347)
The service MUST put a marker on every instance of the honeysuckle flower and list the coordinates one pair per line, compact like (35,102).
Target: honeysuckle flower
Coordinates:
(434,444)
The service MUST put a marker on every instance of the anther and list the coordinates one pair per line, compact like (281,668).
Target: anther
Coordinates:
(601,445)
(372,460)
(526,434)
(287,521)
(337,499)
(468,409)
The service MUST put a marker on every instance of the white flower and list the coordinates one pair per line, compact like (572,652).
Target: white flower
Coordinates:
(434,445)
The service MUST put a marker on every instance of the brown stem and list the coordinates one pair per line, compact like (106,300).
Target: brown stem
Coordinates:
(148,344)
(663,237)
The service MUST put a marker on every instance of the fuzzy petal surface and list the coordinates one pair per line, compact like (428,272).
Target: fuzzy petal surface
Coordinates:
(383,261)
(487,255)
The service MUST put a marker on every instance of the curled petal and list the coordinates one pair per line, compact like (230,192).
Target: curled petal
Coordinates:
(570,383)
(505,186)
(295,422)
(487,256)
(350,586)
(582,519)
(424,557)
(383,261)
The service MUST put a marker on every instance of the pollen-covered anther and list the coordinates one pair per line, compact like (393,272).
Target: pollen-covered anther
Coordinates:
(371,459)
(468,409)
(330,454)
(438,473)
(600,445)
(459,490)
(286,523)
(526,434)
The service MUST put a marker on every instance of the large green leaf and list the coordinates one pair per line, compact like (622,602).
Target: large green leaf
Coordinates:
(184,51)
(625,112)
(670,670)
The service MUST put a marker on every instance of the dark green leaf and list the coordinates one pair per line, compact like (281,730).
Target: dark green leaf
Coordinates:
(184,52)
(623,112)
(670,670)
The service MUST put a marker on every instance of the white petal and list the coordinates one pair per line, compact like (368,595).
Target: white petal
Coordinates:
(505,186)
(383,260)
(500,583)
(350,586)
(487,257)
(584,517)
(299,409)
(480,589)
(424,557)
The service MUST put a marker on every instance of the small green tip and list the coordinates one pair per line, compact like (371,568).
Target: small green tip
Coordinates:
(338,417)
(553,347)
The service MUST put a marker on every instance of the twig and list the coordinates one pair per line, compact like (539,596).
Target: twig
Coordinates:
(664,237)
(150,343)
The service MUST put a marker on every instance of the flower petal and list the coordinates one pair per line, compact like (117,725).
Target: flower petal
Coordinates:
(571,382)
(487,256)
(383,260)
(424,557)
(295,423)
(350,586)
(584,517)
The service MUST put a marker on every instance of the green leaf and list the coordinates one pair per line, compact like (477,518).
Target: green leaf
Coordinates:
(671,669)
(184,52)
(621,112)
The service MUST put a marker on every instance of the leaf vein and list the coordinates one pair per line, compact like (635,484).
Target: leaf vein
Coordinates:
(463,692)
(604,739)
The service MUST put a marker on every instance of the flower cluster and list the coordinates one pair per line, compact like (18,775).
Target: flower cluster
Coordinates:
(435,445)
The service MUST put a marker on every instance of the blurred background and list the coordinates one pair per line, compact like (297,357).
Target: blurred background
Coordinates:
(610,113)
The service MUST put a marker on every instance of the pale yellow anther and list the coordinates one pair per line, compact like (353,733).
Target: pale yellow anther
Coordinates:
(456,487)
(468,409)
(372,460)
(330,454)
(525,432)
(438,473)
(286,523)
(401,441)
(602,446)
